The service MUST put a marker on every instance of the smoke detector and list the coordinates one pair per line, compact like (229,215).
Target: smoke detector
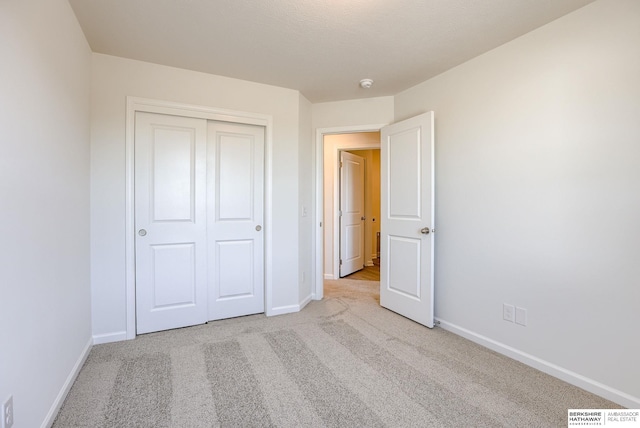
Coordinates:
(366,83)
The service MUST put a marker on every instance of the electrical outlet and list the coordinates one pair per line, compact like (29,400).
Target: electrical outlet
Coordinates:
(508,312)
(521,316)
(7,413)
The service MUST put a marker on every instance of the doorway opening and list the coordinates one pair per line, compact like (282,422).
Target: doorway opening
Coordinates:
(329,157)
(365,145)
(359,251)
(407,215)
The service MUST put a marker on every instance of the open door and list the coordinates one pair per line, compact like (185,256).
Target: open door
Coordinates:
(351,213)
(407,218)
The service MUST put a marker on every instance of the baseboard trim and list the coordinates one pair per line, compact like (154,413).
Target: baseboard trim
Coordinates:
(305,302)
(368,263)
(118,336)
(281,310)
(328,276)
(66,387)
(568,376)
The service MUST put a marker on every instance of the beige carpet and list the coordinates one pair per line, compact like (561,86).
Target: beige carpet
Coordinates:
(340,362)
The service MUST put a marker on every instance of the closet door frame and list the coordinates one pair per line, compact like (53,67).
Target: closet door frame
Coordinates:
(135,104)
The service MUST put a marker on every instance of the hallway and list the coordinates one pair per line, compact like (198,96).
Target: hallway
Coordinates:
(368,273)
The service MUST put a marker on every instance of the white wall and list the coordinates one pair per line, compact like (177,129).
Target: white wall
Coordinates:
(45,319)
(538,197)
(115,78)
(366,111)
(305,196)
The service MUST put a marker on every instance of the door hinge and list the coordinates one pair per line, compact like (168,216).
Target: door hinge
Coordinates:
(340,213)
(340,262)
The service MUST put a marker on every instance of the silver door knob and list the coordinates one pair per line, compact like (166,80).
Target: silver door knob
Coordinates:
(258,228)
(142,232)
(425,230)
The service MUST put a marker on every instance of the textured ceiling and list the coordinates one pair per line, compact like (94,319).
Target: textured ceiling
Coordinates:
(320,47)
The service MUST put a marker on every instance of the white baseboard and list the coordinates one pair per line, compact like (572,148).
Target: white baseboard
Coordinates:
(368,263)
(281,310)
(109,337)
(328,276)
(66,387)
(305,302)
(568,376)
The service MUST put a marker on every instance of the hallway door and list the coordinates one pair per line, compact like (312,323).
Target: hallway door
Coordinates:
(351,213)
(407,214)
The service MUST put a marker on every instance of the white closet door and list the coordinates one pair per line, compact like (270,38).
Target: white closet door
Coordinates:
(170,219)
(235,195)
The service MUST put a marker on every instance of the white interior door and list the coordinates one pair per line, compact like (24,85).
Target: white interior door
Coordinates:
(170,219)
(235,219)
(351,213)
(407,218)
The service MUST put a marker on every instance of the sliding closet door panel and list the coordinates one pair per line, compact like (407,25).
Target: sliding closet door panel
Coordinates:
(235,197)
(170,218)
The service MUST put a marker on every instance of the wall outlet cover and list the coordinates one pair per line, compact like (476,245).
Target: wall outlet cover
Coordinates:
(7,413)
(508,312)
(521,316)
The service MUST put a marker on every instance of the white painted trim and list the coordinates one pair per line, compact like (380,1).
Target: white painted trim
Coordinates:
(318,239)
(329,276)
(305,301)
(281,310)
(129,228)
(568,376)
(202,112)
(368,263)
(66,387)
(118,336)
(268,216)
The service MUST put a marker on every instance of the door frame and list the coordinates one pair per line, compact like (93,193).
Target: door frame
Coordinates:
(318,236)
(136,104)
